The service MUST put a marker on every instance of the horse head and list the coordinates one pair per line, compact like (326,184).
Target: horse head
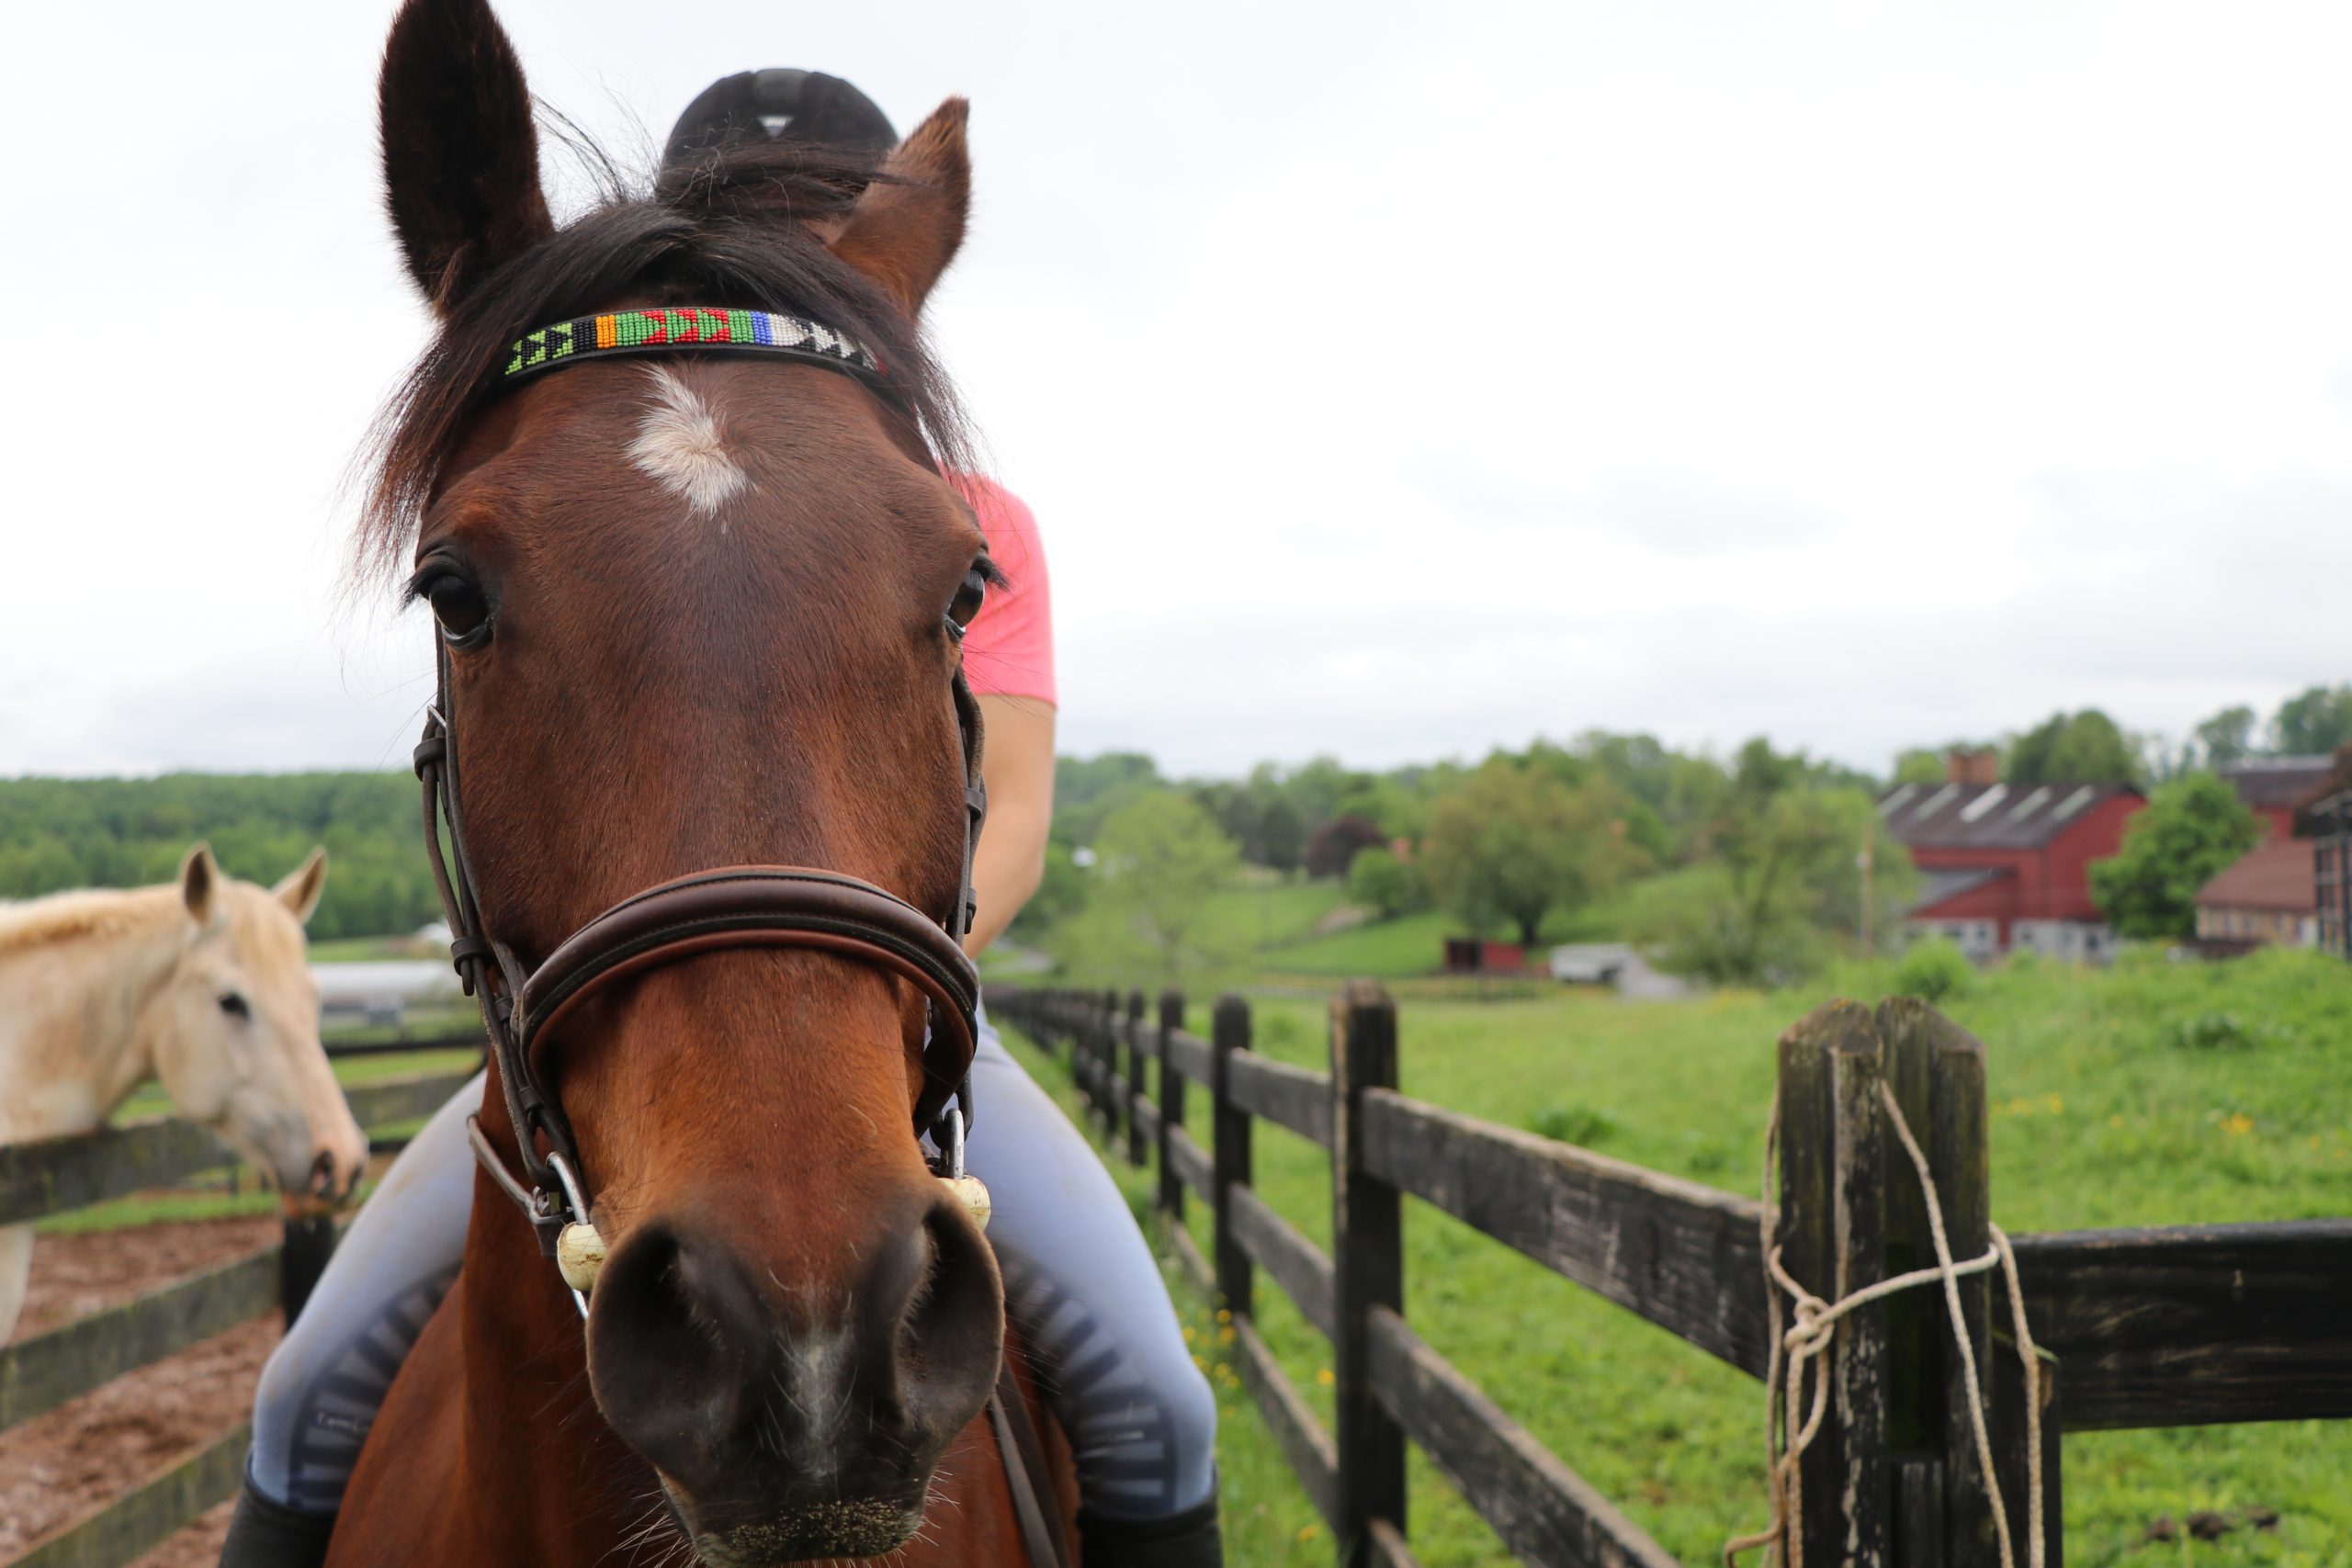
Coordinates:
(233,1030)
(701,611)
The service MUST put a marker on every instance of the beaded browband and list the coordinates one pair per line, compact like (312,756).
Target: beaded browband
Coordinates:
(696,327)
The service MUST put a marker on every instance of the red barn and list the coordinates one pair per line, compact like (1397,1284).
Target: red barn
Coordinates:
(2008,866)
(2275,788)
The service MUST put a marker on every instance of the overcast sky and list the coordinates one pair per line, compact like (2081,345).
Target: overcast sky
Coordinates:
(1392,383)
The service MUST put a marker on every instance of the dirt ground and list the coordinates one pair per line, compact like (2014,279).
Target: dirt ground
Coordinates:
(65,1464)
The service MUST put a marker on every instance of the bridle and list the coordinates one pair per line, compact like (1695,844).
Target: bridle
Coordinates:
(716,910)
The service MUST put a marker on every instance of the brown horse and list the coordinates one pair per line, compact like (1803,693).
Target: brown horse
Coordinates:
(698,611)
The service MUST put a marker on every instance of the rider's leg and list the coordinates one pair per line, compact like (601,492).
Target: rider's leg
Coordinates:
(1079,1275)
(1083,1284)
(323,1386)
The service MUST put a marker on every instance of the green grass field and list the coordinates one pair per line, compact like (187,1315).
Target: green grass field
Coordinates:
(1274,923)
(368,949)
(2151,1093)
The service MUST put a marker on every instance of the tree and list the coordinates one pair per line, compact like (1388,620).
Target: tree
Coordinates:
(2077,749)
(1384,883)
(1336,844)
(1061,891)
(1785,887)
(1159,862)
(1513,843)
(2318,720)
(2191,829)
(1918,766)
(2227,736)
(1087,789)
(1282,834)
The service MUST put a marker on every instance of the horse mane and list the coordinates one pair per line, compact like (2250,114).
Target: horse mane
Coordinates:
(728,227)
(89,911)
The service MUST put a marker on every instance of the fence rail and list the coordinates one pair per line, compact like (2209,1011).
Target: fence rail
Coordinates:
(2170,1326)
(40,1373)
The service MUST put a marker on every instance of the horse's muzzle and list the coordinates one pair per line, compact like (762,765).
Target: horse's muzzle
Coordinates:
(793,1417)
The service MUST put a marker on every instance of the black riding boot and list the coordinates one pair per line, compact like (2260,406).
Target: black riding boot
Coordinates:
(263,1534)
(1189,1540)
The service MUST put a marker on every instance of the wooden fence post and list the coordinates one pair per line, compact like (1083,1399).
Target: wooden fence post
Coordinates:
(1230,1154)
(1833,1241)
(1106,1055)
(1138,1080)
(1171,1104)
(1368,1259)
(310,1242)
(1936,1070)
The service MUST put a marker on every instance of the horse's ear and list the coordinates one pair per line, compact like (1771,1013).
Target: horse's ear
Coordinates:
(905,228)
(299,891)
(461,158)
(201,884)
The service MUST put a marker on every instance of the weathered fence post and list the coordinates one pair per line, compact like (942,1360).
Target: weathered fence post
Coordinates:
(1229,1155)
(1936,1070)
(1106,1055)
(1368,1258)
(1138,1080)
(1833,1241)
(1171,1104)
(309,1243)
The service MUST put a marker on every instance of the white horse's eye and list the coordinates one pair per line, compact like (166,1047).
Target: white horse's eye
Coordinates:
(235,1006)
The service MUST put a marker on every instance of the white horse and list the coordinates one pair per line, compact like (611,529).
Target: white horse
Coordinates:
(205,983)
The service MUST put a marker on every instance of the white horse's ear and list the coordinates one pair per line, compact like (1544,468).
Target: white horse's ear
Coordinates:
(299,891)
(201,884)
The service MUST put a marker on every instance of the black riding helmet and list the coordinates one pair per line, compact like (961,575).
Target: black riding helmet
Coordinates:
(777,104)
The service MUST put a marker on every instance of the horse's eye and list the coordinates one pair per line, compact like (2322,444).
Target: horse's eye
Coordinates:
(459,606)
(235,1006)
(967,603)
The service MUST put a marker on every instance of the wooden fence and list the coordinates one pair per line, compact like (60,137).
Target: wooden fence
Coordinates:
(40,1373)
(2159,1327)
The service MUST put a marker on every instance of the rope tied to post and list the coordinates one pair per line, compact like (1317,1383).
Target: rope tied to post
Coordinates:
(1792,1423)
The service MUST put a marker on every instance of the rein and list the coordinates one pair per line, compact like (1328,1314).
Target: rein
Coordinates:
(715,910)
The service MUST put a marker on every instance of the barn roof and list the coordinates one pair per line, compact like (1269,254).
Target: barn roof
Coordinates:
(1936,887)
(1989,816)
(2269,783)
(2280,876)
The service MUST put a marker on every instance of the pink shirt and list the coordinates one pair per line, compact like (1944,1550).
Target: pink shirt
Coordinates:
(1010,648)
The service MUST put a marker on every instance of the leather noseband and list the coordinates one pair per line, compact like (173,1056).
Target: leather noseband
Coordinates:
(767,906)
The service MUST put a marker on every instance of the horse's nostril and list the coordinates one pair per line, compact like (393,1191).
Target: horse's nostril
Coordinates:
(953,1326)
(322,1173)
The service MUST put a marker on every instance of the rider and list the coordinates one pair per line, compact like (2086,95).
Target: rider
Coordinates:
(1079,1279)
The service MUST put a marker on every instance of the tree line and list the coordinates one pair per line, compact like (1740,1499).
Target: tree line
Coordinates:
(1735,868)
(1756,867)
(1739,868)
(2090,747)
(61,833)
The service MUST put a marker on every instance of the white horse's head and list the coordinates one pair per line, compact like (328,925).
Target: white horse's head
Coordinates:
(236,1030)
